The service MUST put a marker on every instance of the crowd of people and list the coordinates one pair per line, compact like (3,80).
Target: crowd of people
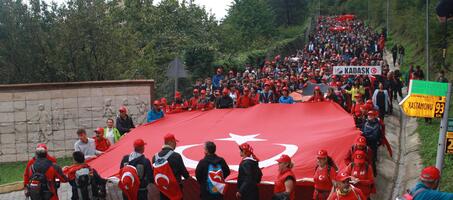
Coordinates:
(338,41)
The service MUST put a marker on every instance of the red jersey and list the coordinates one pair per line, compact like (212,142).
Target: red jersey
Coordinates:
(193,102)
(102,144)
(353,194)
(323,182)
(355,110)
(365,175)
(316,98)
(280,183)
(369,152)
(245,101)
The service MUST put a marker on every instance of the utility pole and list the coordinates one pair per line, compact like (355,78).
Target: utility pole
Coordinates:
(427,40)
(442,133)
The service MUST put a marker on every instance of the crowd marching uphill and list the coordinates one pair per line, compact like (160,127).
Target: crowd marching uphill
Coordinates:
(338,41)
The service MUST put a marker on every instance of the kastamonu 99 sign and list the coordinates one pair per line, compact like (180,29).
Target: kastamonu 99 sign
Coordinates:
(425,99)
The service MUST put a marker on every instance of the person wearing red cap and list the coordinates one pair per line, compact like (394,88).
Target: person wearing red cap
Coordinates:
(102,143)
(285,98)
(355,110)
(45,165)
(249,174)
(267,96)
(344,190)
(142,164)
(361,173)
(324,176)
(285,184)
(129,182)
(204,102)
(427,186)
(245,100)
(372,131)
(124,122)
(174,159)
(193,102)
(318,96)
(225,101)
(156,112)
(81,187)
(360,144)
(179,104)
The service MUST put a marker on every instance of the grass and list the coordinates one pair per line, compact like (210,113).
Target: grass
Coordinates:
(429,135)
(12,172)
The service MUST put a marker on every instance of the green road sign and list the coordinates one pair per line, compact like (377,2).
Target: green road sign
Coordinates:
(429,88)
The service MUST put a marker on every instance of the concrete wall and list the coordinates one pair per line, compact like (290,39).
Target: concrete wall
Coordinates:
(51,113)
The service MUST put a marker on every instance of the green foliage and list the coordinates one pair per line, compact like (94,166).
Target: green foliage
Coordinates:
(251,21)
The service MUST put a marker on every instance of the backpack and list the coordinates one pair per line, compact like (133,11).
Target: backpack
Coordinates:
(87,188)
(83,180)
(38,186)
(215,180)
(169,186)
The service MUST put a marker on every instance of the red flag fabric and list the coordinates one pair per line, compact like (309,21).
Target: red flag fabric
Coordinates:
(298,130)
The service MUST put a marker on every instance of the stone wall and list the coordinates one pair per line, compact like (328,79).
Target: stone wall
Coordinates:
(51,113)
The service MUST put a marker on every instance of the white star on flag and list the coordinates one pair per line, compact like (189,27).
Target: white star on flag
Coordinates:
(239,139)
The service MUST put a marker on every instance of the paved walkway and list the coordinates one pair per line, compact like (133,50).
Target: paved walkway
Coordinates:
(64,193)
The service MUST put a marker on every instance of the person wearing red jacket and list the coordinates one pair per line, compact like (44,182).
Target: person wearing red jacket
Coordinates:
(344,190)
(51,171)
(318,96)
(203,102)
(361,174)
(245,100)
(179,104)
(193,102)
(324,176)
(286,180)
(360,144)
(102,143)
(27,170)
(355,110)
(97,182)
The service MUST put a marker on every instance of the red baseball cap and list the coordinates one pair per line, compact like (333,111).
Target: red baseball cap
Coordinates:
(359,156)
(203,91)
(373,113)
(342,176)
(41,147)
(170,137)
(99,130)
(123,109)
(139,143)
(156,103)
(177,94)
(430,174)
(322,154)
(360,141)
(284,159)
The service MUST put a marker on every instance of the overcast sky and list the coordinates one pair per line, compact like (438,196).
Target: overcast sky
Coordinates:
(217,7)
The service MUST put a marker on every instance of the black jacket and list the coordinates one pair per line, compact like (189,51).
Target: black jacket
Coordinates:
(124,125)
(249,177)
(148,176)
(176,164)
(202,174)
(224,102)
(98,186)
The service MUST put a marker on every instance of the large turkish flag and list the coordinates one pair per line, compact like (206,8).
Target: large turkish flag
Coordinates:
(299,130)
